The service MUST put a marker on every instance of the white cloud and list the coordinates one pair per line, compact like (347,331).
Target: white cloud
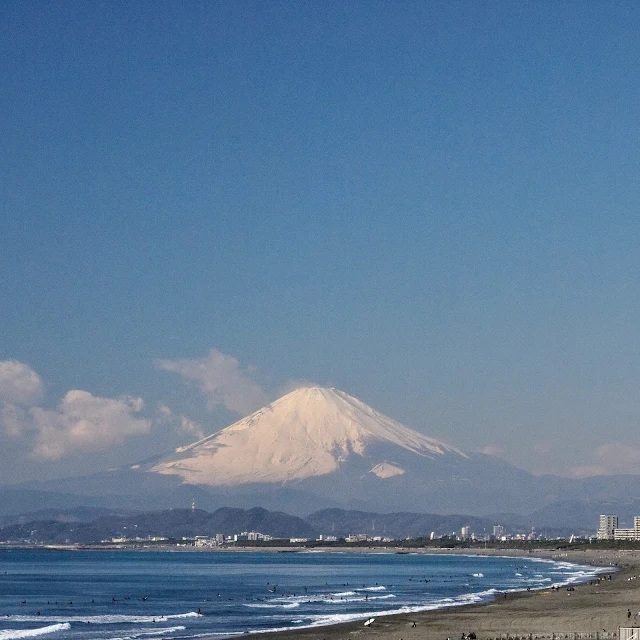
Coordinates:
(181,423)
(492,450)
(84,422)
(619,457)
(610,458)
(19,383)
(12,419)
(81,422)
(587,471)
(222,381)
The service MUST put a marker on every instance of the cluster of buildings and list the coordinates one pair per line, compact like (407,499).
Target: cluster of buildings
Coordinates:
(353,538)
(124,539)
(609,529)
(220,539)
(498,534)
(363,537)
(250,536)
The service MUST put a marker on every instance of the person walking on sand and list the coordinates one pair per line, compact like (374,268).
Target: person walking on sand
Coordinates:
(628,614)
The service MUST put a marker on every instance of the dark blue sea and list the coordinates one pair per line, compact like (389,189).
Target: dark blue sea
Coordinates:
(109,595)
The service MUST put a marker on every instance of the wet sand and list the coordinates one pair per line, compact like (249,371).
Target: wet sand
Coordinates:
(598,608)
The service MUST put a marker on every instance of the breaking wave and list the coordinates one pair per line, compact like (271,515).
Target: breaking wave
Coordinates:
(150,632)
(15,634)
(106,619)
(281,605)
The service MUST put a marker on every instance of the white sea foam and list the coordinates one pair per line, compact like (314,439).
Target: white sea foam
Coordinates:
(320,620)
(272,630)
(377,588)
(143,633)
(478,575)
(15,634)
(343,601)
(281,605)
(106,619)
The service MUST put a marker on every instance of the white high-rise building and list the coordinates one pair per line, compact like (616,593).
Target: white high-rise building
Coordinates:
(608,525)
(465,532)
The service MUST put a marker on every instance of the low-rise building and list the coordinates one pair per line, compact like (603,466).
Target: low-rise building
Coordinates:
(357,537)
(205,541)
(632,533)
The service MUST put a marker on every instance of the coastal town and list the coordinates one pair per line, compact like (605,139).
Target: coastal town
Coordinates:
(608,530)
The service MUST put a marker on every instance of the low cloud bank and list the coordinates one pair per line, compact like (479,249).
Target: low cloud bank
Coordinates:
(81,422)
(610,458)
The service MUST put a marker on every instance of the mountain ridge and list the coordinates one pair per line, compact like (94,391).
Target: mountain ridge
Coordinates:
(80,526)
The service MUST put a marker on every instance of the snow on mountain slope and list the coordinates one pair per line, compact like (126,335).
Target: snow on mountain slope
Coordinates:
(309,432)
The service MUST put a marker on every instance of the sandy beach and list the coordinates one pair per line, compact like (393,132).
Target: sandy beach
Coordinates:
(588,608)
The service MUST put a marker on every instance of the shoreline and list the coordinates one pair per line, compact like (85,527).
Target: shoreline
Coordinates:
(585,607)
(594,606)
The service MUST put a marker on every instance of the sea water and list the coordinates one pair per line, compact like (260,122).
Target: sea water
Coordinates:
(121,595)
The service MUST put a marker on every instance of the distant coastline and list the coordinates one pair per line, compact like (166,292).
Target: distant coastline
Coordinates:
(543,553)
(548,551)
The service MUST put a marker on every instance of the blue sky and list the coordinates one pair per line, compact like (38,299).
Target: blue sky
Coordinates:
(430,205)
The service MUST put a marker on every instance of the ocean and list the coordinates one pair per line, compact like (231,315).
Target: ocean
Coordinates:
(121,595)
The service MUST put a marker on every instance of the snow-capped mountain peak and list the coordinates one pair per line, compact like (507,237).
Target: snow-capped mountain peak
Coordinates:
(311,431)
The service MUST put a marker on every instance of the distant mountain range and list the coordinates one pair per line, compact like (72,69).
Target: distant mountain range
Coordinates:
(89,525)
(70,526)
(317,449)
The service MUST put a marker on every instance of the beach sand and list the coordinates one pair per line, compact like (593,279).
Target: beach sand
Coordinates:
(589,608)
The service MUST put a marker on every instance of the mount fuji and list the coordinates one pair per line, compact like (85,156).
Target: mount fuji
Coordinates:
(317,448)
(307,433)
